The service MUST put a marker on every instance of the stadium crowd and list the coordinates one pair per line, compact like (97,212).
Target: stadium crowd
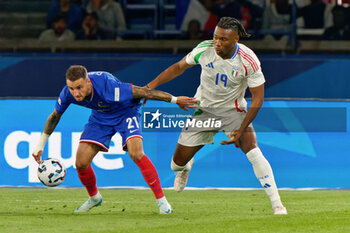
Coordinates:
(266,20)
(270,20)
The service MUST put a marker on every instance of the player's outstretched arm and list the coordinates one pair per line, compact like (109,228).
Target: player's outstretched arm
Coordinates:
(184,102)
(50,126)
(170,73)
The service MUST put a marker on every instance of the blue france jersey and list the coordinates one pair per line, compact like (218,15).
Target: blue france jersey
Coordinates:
(110,99)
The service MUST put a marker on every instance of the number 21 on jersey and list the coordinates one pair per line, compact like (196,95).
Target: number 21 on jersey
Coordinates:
(221,78)
(132,122)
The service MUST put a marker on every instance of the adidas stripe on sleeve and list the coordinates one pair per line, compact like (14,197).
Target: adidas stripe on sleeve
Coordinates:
(193,57)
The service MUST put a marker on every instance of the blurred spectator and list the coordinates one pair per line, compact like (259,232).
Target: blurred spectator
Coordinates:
(251,15)
(110,14)
(222,8)
(194,30)
(248,13)
(91,31)
(315,15)
(277,16)
(341,27)
(72,12)
(78,2)
(58,32)
(187,11)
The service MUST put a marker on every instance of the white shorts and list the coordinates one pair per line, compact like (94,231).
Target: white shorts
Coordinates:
(195,136)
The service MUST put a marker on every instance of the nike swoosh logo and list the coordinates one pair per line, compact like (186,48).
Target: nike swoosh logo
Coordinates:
(153,182)
(131,131)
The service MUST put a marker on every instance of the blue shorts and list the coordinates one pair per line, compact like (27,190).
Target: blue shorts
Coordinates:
(101,135)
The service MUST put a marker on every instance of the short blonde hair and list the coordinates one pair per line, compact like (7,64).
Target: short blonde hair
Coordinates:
(76,72)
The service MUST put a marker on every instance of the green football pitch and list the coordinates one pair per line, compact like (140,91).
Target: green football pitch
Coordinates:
(51,210)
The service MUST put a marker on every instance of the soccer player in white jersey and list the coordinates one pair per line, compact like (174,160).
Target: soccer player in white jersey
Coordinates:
(228,68)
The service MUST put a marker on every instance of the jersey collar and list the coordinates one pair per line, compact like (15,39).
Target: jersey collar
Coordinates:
(92,92)
(236,51)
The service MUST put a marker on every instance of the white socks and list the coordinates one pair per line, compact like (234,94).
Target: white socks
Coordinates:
(176,167)
(263,172)
(97,196)
(162,199)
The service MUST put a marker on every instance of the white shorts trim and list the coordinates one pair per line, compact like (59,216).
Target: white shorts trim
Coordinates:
(104,148)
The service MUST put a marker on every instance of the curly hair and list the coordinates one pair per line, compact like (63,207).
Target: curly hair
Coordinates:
(233,24)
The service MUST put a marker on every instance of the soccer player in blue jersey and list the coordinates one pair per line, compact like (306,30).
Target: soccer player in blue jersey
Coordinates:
(115,108)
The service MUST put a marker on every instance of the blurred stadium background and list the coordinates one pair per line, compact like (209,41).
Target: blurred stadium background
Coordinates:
(303,128)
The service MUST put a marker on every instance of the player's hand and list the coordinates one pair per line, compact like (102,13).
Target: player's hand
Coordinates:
(145,100)
(234,138)
(185,102)
(37,156)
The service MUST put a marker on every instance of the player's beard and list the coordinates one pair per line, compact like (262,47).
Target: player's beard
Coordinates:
(79,98)
(88,97)
(220,53)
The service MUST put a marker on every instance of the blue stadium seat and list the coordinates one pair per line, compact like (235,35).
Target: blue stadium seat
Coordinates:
(167,21)
(23,18)
(141,17)
(24,5)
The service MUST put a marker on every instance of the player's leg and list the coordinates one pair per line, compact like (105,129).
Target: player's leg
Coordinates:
(94,138)
(149,172)
(132,142)
(181,163)
(85,153)
(262,169)
(191,140)
(183,154)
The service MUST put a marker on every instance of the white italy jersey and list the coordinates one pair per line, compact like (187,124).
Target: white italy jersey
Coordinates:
(224,82)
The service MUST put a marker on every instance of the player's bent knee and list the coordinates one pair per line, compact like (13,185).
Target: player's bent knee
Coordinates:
(248,145)
(81,165)
(248,148)
(136,156)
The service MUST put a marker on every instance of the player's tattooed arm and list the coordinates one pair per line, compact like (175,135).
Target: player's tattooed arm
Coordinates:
(50,126)
(182,101)
(52,122)
(143,92)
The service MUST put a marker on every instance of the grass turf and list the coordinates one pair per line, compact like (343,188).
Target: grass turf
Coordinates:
(51,210)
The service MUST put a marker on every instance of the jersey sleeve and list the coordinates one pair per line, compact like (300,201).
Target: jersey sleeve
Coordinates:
(63,101)
(255,77)
(117,91)
(192,58)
